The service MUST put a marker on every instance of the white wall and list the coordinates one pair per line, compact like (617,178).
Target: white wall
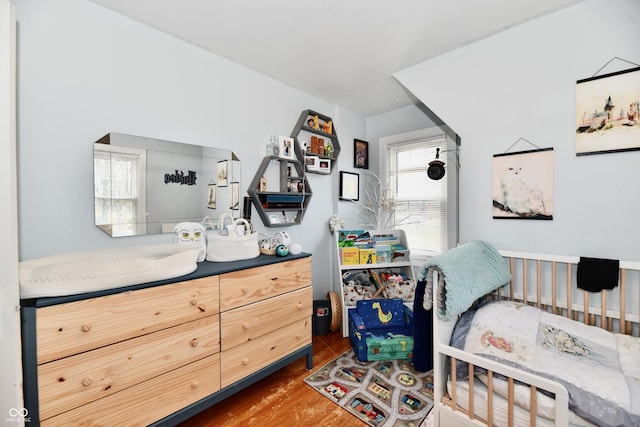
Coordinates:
(401,120)
(521,84)
(85,71)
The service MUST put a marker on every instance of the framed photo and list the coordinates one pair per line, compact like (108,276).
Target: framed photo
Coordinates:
(312,163)
(608,113)
(235,195)
(222,173)
(285,144)
(211,196)
(523,185)
(349,186)
(361,154)
(275,218)
(324,165)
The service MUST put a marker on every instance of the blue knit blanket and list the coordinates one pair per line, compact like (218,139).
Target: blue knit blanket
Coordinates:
(465,273)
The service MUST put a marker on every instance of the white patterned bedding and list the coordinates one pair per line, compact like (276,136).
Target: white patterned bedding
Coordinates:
(600,370)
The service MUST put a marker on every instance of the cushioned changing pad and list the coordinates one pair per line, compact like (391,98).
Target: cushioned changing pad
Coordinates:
(80,272)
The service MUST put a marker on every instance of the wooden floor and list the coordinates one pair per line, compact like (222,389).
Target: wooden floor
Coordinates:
(283,398)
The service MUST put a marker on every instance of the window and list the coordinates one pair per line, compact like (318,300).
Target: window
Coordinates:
(119,190)
(425,209)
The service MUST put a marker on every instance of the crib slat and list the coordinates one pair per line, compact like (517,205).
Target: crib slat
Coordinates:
(554,305)
(539,284)
(490,398)
(533,406)
(512,267)
(603,310)
(510,403)
(623,302)
(453,384)
(524,280)
(586,308)
(569,296)
(471,380)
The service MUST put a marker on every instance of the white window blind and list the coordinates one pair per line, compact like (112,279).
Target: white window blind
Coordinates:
(421,203)
(118,190)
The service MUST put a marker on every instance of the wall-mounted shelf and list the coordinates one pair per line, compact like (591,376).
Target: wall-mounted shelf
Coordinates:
(283,203)
(315,161)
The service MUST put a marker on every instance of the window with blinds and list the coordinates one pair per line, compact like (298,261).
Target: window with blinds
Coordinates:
(119,198)
(421,203)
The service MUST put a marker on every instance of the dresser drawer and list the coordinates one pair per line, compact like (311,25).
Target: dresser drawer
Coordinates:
(247,286)
(70,328)
(76,380)
(245,359)
(248,322)
(149,401)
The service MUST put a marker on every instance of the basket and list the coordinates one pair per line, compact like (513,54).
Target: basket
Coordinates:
(336,311)
(270,251)
(232,246)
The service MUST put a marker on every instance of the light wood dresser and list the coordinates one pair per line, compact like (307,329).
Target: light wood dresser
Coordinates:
(158,353)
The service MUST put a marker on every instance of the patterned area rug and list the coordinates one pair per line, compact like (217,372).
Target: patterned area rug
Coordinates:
(383,393)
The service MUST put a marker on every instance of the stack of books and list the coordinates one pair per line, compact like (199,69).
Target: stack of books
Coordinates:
(360,247)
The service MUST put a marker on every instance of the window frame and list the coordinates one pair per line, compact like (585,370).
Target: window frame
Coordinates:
(140,156)
(450,157)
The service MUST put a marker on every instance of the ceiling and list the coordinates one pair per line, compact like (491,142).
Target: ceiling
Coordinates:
(342,51)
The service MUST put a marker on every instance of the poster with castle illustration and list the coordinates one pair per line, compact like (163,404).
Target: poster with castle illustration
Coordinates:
(608,113)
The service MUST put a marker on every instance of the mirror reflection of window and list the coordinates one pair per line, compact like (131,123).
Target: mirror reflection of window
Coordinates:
(120,203)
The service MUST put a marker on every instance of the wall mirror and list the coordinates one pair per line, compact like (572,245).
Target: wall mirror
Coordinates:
(147,186)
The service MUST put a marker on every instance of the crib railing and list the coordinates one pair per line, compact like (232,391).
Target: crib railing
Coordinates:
(555,290)
(493,369)
(549,283)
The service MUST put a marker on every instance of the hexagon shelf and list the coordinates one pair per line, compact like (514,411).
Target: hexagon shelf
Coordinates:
(316,143)
(285,205)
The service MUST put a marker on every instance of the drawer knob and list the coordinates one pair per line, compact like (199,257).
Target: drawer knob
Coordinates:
(298,275)
(87,381)
(300,305)
(245,326)
(298,336)
(86,327)
(194,302)
(194,342)
(245,362)
(194,385)
(245,290)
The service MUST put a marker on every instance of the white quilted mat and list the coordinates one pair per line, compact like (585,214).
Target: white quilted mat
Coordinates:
(80,272)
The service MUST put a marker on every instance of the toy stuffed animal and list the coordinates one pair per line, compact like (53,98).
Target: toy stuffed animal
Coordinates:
(192,233)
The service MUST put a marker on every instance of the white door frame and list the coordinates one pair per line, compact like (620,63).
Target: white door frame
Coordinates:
(11,402)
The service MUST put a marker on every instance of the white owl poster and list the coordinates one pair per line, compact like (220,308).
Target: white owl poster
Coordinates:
(523,184)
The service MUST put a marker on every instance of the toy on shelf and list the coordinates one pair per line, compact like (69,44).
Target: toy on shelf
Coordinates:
(327,127)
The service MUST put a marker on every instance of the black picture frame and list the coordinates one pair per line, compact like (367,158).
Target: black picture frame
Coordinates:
(360,154)
(349,186)
(607,113)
